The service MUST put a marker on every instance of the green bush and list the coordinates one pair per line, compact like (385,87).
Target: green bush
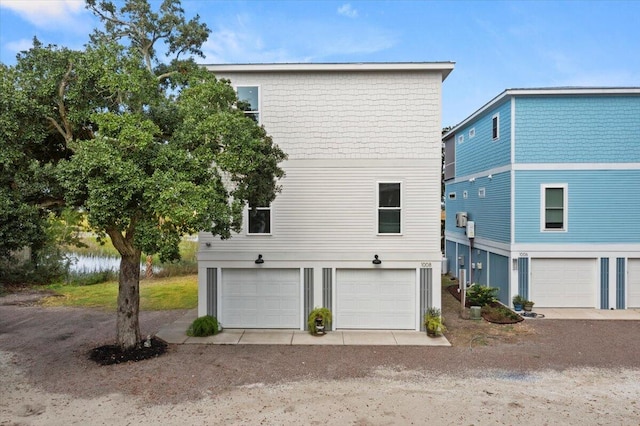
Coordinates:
(323,313)
(203,326)
(478,295)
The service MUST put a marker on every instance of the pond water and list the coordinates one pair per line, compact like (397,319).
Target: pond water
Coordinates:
(87,263)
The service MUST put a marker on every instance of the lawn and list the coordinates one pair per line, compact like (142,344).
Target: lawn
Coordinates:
(155,295)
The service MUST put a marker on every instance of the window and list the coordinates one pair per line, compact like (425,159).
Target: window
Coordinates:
(495,126)
(461,139)
(259,220)
(482,192)
(389,207)
(472,132)
(249,97)
(554,208)
(465,194)
(452,195)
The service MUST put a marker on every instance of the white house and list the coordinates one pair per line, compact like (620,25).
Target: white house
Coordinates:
(356,227)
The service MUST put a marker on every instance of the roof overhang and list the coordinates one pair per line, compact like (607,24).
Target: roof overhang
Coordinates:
(546,91)
(444,68)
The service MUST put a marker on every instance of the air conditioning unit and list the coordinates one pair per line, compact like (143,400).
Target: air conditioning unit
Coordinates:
(461,219)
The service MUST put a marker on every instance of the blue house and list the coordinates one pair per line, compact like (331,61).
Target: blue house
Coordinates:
(542,190)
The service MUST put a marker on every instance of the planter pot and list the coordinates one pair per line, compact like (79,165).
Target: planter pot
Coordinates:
(528,307)
(517,307)
(434,333)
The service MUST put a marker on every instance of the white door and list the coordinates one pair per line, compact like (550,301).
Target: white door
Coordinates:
(260,298)
(563,283)
(633,287)
(376,299)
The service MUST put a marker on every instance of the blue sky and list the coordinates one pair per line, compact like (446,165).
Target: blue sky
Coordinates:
(496,45)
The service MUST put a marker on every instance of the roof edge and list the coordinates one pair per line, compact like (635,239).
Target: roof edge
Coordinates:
(444,67)
(543,91)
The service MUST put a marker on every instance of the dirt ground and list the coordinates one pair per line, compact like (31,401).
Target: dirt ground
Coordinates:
(541,371)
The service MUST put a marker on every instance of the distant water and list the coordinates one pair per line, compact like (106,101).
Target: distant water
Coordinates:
(86,264)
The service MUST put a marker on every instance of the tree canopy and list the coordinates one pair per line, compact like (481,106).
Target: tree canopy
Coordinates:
(149,150)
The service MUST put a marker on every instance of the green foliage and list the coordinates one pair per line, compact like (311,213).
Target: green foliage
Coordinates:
(500,314)
(518,300)
(478,295)
(433,321)
(322,313)
(203,326)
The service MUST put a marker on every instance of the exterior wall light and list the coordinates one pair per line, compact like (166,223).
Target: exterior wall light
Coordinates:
(259,260)
(376,261)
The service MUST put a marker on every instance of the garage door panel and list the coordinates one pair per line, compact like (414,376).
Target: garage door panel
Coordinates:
(375,299)
(265,298)
(564,283)
(633,286)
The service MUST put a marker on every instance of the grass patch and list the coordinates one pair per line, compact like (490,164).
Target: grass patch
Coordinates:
(155,295)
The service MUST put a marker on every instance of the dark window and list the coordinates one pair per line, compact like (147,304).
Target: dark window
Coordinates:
(554,208)
(389,208)
(260,220)
(495,126)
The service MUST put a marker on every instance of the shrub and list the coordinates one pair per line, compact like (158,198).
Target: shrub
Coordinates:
(203,326)
(478,295)
(433,321)
(323,313)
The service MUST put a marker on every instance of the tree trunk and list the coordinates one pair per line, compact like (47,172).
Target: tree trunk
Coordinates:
(128,327)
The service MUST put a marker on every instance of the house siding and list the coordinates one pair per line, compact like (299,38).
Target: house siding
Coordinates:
(602,207)
(373,115)
(577,129)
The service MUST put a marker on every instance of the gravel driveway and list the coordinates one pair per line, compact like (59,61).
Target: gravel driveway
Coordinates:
(547,371)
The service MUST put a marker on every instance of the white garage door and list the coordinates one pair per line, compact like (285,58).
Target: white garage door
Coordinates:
(563,283)
(376,299)
(633,288)
(260,298)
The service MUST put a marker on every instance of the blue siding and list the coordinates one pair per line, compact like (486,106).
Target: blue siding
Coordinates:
(452,260)
(463,250)
(499,275)
(482,152)
(491,214)
(603,206)
(604,283)
(577,129)
(479,275)
(620,283)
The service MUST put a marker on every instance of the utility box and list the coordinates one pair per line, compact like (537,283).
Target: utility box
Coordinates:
(461,219)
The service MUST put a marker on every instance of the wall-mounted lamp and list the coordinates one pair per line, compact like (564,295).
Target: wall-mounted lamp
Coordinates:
(207,244)
(472,180)
(490,176)
(376,261)
(259,260)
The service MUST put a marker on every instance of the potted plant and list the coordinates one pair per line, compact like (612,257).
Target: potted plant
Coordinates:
(433,322)
(518,302)
(528,305)
(319,321)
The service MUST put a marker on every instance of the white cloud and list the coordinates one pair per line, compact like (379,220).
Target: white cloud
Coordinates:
(348,11)
(46,13)
(17,46)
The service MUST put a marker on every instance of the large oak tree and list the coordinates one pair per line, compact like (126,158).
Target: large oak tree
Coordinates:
(150,149)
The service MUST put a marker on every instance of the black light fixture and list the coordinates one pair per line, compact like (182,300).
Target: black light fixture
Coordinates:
(376,261)
(207,244)
(259,260)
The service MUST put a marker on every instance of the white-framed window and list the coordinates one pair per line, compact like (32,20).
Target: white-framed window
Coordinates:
(249,97)
(465,194)
(482,192)
(472,132)
(553,207)
(460,138)
(259,220)
(495,127)
(389,208)
(452,195)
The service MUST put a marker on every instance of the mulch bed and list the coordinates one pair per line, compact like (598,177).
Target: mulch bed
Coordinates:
(113,354)
(497,314)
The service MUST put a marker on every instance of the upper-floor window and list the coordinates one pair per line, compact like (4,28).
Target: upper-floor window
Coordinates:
(472,132)
(249,97)
(259,220)
(389,207)
(495,127)
(554,207)
(460,138)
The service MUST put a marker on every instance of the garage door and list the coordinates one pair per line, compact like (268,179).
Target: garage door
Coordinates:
(376,299)
(563,283)
(260,298)
(633,296)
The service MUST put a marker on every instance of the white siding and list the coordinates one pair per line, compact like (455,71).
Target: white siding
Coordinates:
(334,209)
(350,114)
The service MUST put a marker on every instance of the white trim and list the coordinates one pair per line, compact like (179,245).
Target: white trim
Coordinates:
(378,208)
(445,68)
(259,111)
(417,300)
(576,166)
(495,117)
(219,294)
(577,250)
(258,234)
(301,299)
(513,130)
(565,207)
(354,163)
(334,299)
